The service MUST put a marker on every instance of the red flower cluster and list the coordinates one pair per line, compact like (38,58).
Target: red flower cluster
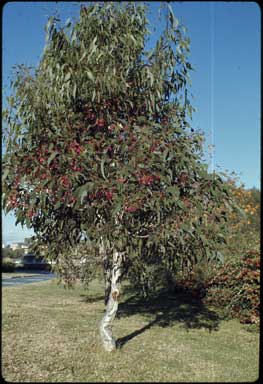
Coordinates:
(43,153)
(108,195)
(187,203)
(148,179)
(165,120)
(154,146)
(110,150)
(121,180)
(73,199)
(13,201)
(183,178)
(43,150)
(76,147)
(130,208)
(133,143)
(100,123)
(43,176)
(111,127)
(54,165)
(16,181)
(68,197)
(74,166)
(31,213)
(106,104)
(66,183)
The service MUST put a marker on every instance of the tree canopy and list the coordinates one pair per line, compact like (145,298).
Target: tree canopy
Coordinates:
(99,145)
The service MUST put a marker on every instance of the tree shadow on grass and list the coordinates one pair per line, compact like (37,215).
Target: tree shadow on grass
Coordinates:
(168,309)
(91,299)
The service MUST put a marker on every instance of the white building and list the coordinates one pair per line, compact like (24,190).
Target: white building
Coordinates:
(16,246)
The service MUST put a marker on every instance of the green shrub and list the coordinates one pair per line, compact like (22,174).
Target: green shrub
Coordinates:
(8,265)
(193,282)
(235,287)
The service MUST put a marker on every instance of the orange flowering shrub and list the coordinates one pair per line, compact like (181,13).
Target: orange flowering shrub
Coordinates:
(249,201)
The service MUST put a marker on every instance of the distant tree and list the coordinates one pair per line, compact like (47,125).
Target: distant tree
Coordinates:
(17,253)
(249,201)
(100,155)
(27,240)
(7,253)
(12,253)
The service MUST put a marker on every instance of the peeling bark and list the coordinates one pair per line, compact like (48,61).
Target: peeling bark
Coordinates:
(107,278)
(107,270)
(108,341)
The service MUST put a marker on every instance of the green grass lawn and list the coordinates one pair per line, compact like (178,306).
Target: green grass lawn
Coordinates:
(49,334)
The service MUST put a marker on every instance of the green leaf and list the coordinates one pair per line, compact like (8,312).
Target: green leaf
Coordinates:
(102,169)
(74,36)
(150,75)
(28,222)
(180,204)
(57,205)
(67,77)
(218,256)
(68,23)
(74,91)
(90,75)
(174,191)
(6,172)
(52,156)
(83,56)
(117,208)
(240,211)
(81,192)
(158,212)
(49,23)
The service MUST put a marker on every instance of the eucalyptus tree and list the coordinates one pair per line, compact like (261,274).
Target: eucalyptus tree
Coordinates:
(100,154)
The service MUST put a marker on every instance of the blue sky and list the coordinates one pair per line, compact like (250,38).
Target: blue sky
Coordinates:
(225,52)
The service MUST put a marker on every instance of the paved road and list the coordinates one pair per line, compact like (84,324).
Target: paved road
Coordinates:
(9,282)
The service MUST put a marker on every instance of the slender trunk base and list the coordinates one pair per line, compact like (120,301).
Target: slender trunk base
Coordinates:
(107,339)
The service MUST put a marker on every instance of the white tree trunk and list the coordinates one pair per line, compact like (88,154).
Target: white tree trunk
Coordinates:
(108,341)
(106,268)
